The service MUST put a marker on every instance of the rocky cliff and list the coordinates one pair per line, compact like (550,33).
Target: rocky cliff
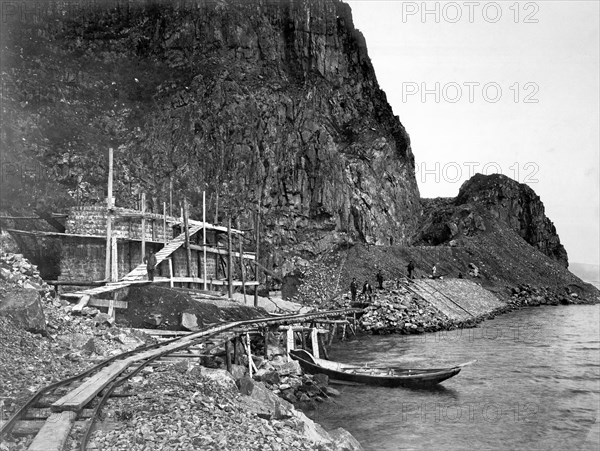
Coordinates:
(486,203)
(270,103)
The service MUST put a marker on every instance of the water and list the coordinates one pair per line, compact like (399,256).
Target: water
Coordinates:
(535,386)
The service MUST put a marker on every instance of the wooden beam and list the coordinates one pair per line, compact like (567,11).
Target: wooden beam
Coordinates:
(204,265)
(289,343)
(242,268)
(114,260)
(223,282)
(170,272)
(109,206)
(165,222)
(314,338)
(95,302)
(143,226)
(216,250)
(257,254)
(187,237)
(171,196)
(76,283)
(251,365)
(54,433)
(229,261)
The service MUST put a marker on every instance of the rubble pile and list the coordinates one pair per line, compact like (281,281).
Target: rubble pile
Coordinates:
(191,407)
(320,282)
(527,295)
(287,381)
(399,311)
(67,343)
(17,271)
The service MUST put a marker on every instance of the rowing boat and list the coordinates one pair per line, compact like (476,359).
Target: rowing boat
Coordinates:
(386,377)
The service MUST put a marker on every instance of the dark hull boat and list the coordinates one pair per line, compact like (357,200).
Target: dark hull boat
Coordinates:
(385,377)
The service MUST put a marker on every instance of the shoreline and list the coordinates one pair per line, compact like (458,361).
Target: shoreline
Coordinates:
(74,342)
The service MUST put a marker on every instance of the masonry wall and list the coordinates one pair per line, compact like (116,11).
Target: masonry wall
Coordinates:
(91,220)
(85,258)
(82,259)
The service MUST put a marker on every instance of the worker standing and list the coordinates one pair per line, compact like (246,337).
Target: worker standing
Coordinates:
(150,261)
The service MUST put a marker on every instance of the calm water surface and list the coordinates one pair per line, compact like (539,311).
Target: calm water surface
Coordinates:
(535,386)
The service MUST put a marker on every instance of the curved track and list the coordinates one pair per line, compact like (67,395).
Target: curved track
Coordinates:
(69,397)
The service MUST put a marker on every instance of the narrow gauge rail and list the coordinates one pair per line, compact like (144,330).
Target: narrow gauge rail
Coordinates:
(80,391)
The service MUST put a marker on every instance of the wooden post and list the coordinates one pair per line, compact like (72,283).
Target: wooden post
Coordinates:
(257,248)
(109,205)
(333,332)
(143,225)
(114,266)
(229,261)
(322,347)
(266,335)
(165,222)
(171,196)
(228,355)
(289,346)
(303,338)
(204,275)
(170,273)
(242,269)
(314,338)
(187,238)
(111,304)
(152,221)
(250,361)
(236,357)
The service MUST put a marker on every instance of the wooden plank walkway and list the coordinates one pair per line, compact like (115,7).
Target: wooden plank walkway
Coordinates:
(54,433)
(141,271)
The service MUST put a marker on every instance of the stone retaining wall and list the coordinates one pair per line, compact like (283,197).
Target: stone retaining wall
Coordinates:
(91,220)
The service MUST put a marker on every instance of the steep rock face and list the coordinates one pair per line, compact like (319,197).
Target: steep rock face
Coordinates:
(488,202)
(257,102)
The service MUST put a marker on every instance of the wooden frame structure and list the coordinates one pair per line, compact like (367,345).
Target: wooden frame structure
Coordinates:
(197,251)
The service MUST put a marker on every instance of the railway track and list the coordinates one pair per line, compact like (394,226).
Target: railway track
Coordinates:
(50,414)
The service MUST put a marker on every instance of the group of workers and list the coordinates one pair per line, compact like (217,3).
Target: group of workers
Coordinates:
(367,289)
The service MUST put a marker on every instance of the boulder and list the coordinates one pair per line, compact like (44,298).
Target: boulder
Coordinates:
(25,308)
(344,441)
(103,319)
(221,377)
(246,385)
(237,371)
(288,368)
(269,403)
(189,321)
(271,378)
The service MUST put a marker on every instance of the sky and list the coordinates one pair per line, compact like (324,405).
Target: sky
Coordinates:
(498,87)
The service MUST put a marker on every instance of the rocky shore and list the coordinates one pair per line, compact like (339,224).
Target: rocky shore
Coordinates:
(183,405)
(172,406)
(399,311)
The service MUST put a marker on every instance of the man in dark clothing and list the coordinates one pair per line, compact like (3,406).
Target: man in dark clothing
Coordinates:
(367,291)
(150,261)
(379,278)
(410,268)
(353,289)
